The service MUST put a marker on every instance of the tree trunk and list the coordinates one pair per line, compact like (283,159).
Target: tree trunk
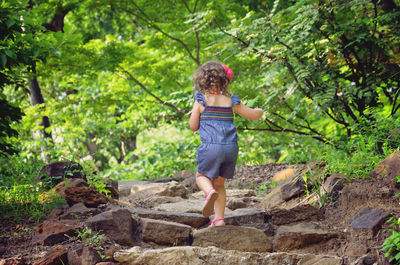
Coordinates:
(37,98)
(128,144)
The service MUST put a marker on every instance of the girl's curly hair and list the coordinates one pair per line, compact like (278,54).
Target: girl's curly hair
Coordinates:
(211,76)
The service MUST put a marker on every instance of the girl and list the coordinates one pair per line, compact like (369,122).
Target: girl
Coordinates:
(212,115)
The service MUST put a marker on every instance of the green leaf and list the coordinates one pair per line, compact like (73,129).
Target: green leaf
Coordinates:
(10,23)
(10,54)
(3,58)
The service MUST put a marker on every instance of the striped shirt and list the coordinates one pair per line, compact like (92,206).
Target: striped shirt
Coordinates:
(217,114)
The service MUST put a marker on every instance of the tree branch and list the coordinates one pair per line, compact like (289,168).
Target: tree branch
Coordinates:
(281,129)
(142,86)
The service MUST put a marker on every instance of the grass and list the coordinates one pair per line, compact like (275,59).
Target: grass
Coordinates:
(26,202)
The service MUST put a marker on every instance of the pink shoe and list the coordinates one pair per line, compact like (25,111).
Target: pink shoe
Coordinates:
(216,220)
(208,207)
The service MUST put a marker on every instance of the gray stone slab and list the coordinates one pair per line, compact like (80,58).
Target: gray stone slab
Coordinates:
(192,219)
(368,221)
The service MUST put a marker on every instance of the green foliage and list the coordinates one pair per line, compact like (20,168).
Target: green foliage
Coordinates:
(96,182)
(391,245)
(325,72)
(18,170)
(90,238)
(26,201)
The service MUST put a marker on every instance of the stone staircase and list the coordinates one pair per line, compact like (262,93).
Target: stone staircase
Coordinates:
(173,231)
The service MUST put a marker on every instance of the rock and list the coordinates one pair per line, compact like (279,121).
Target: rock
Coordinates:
(290,190)
(235,203)
(272,199)
(292,187)
(186,206)
(175,190)
(52,232)
(155,200)
(355,250)
(233,238)
(388,168)
(60,188)
(212,255)
(296,214)
(333,184)
(299,236)
(286,190)
(191,185)
(107,263)
(112,186)
(192,219)
(110,250)
(268,229)
(58,171)
(89,196)
(125,186)
(83,255)
(117,224)
(183,175)
(368,221)
(57,212)
(244,216)
(284,174)
(187,178)
(145,189)
(12,261)
(78,212)
(56,256)
(165,233)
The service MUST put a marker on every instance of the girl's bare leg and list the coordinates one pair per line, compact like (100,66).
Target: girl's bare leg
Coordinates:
(203,183)
(219,206)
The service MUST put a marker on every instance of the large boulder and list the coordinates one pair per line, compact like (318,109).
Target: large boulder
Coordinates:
(388,168)
(212,255)
(89,196)
(117,224)
(58,171)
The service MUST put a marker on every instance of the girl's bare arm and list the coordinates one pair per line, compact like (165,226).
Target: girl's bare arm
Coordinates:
(194,121)
(248,113)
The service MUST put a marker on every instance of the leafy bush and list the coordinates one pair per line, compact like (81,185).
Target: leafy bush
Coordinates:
(26,201)
(391,245)
(17,170)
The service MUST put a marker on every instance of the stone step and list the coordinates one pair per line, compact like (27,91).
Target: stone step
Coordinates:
(289,237)
(194,220)
(189,255)
(233,238)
